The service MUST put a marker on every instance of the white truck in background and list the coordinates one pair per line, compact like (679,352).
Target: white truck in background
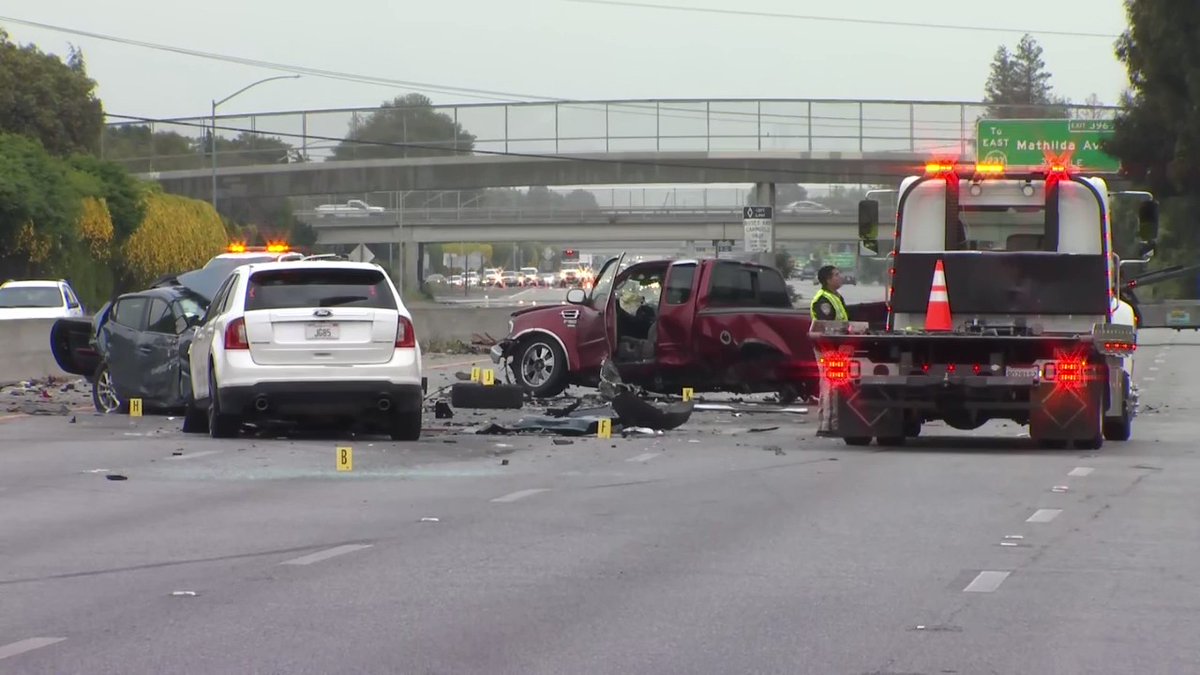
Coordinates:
(355,208)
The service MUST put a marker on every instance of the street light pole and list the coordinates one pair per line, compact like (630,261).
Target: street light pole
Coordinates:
(213,117)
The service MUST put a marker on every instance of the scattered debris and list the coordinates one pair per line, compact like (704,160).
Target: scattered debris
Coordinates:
(775,449)
(443,411)
(184,594)
(760,430)
(504,462)
(430,519)
(116,476)
(563,441)
(1060,488)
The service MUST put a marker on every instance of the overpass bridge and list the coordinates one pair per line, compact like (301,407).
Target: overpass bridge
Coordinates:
(571,143)
(568,226)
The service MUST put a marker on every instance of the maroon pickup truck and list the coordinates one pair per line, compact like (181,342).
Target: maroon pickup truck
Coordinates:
(711,325)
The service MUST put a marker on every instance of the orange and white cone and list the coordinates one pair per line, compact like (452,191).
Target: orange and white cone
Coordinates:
(937,315)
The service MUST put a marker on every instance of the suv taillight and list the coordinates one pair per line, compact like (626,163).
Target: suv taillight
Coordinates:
(406,338)
(235,335)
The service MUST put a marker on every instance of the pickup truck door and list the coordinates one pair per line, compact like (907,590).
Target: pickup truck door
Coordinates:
(594,335)
(676,314)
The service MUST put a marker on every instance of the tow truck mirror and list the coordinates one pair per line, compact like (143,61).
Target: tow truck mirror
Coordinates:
(868,224)
(1148,222)
(576,296)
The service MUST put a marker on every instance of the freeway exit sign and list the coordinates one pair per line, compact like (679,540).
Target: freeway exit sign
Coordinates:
(1030,142)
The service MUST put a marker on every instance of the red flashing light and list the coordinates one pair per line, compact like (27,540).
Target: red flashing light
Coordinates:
(839,368)
(235,335)
(406,337)
(1070,372)
(976,368)
(950,368)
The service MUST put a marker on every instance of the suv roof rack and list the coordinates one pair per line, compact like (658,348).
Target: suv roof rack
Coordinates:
(325,256)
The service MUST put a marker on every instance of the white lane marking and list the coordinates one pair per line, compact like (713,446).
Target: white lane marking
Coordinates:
(644,457)
(986,582)
(1081,471)
(193,455)
(326,554)
(1147,379)
(27,645)
(1043,515)
(519,494)
(1153,368)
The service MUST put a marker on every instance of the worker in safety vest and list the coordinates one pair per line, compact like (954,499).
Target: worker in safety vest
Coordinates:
(827,303)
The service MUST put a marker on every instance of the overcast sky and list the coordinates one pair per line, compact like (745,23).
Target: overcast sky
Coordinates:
(564,49)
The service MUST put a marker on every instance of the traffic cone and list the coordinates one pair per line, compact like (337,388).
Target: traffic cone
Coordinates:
(937,315)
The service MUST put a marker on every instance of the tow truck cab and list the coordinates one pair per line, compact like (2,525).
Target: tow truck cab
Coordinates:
(1038,334)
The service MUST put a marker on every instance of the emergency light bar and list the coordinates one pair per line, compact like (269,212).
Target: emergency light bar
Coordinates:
(269,248)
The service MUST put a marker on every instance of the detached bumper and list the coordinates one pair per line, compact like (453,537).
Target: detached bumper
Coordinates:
(499,351)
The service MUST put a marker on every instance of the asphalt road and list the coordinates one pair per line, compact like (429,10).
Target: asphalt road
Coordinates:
(711,549)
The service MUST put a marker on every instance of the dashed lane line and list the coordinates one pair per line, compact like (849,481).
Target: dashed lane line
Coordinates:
(1043,515)
(27,645)
(519,494)
(644,457)
(326,554)
(1081,471)
(986,582)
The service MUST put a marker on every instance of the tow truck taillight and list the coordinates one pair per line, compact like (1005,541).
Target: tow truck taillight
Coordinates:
(1066,372)
(235,335)
(406,337)
(839,368)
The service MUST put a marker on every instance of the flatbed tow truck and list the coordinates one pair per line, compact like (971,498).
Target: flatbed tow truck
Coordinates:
(1035,333)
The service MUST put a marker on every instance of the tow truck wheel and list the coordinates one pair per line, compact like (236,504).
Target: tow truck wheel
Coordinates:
(540,367)
(857,440)
(891,441)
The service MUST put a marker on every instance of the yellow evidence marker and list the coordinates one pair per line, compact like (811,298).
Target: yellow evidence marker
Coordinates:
(345,458)
(604,429)
(135,407)
(489,377)
(688,393)
(475,372)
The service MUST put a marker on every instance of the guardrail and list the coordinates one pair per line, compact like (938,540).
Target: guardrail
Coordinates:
(568,127)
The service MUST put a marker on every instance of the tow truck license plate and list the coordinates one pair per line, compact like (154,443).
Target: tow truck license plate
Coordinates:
(1022,371)
(321,331)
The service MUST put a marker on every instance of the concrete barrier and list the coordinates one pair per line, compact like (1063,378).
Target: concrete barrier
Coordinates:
(25,350)
(25,343)
(438,323)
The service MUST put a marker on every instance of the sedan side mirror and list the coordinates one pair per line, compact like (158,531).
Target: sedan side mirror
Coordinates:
(576,296)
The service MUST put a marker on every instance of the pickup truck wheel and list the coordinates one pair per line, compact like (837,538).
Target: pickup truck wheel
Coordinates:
(540,367)
(857,440)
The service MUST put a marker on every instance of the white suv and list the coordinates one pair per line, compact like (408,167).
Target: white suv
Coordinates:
(306,339)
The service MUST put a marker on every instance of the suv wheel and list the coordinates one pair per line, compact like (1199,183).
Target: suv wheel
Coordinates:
(406,426)
(220,424)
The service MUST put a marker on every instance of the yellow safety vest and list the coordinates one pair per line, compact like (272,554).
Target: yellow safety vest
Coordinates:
(839,309)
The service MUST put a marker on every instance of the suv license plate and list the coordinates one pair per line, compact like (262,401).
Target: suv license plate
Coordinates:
(1030,372)
(321,331)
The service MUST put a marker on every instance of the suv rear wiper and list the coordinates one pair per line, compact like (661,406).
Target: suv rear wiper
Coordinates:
(341,300)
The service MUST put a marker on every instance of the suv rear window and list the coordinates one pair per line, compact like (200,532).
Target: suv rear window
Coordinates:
(314,287)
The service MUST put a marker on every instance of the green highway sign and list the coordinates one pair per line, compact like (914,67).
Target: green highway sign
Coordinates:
(1030,142)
